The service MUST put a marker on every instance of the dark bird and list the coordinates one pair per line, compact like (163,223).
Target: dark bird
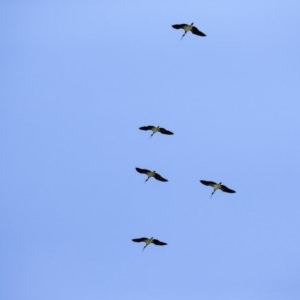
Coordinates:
(148,241)
(156,129)
(217,186)
(151,174)
(188,28)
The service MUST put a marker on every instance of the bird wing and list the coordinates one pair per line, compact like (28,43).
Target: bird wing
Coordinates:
(165,131)
(157,242)
(224,188)
(179,26)
(209,183)
(160,178)
(196,31)
(142,239)
(142,171)
(150,127)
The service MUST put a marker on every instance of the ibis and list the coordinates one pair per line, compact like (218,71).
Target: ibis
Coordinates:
(156,129)
(217,186)
(149,241)
(188,28)
(151,174)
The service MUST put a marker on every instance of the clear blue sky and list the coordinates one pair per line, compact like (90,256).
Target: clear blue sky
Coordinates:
(78,78)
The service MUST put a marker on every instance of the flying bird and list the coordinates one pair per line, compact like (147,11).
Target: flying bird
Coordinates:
(188,28)
(148,241)
(217,186)
(151,174)
(156,129)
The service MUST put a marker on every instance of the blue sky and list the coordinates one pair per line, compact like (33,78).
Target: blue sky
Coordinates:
(78,78)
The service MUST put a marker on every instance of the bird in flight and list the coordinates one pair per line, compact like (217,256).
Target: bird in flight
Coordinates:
(151,174)
(217,186)
(148,241)
(156,129)
(188,28)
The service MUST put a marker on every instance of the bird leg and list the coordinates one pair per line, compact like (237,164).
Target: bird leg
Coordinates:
(212,194)
(145,247)
(183,34)
(147,179)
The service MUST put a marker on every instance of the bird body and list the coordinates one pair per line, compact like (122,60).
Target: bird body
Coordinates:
(156,129)
(149,241)
(151,174)
(187,28)
(217,186)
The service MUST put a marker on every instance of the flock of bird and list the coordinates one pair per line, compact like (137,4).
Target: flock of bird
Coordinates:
(155,129)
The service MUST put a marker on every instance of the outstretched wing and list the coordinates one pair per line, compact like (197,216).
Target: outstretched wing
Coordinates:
(208,183)
(196,31)
(224,188)
(165,131)
(142,171)
(150,127)
(142,239)
(160,178)
(159,243)
(179,26)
